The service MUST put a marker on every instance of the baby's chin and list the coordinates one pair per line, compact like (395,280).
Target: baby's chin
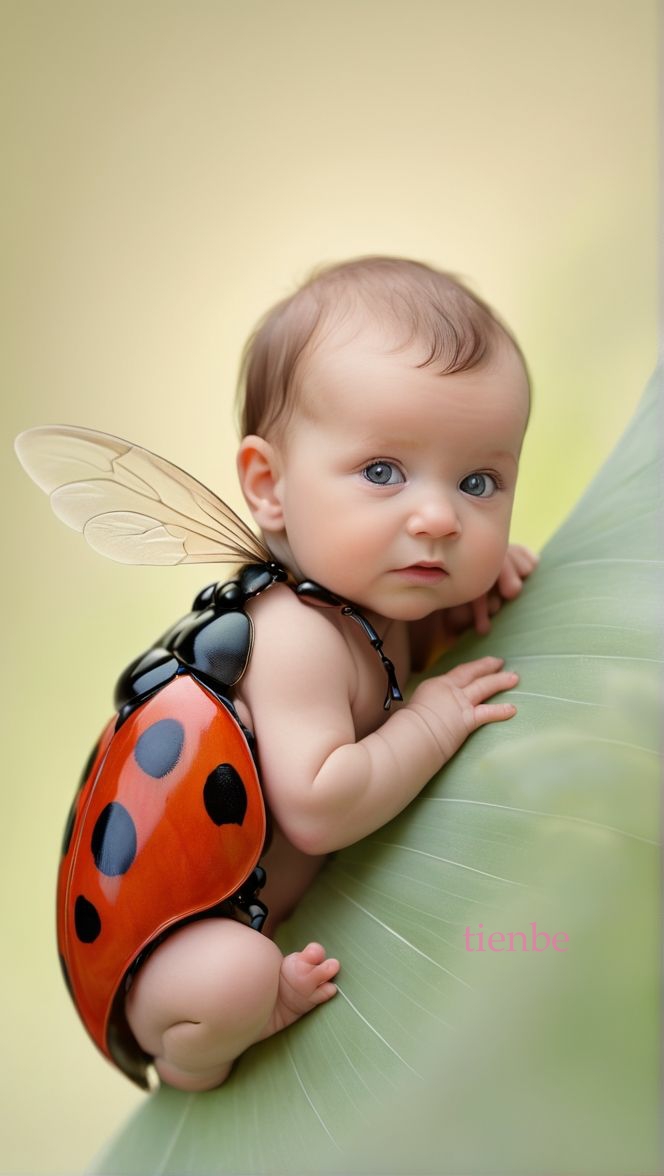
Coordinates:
(416,606)
(399,608)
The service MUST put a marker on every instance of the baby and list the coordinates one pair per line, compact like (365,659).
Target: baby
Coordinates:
(384,415)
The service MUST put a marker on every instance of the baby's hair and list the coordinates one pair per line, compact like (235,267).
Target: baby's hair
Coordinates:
(456,327)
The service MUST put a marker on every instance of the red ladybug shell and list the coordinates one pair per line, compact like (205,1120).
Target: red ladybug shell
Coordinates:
(170,821)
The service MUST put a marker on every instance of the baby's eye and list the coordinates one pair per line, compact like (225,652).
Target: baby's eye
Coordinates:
(479,485)
(383,473)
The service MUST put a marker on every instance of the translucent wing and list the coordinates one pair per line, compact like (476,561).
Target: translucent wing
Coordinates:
(130,504)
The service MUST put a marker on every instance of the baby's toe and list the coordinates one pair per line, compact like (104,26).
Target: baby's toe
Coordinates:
(324,992)
(313,953)
(327,970)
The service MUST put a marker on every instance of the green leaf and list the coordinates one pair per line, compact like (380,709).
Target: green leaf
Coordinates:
(433,1058)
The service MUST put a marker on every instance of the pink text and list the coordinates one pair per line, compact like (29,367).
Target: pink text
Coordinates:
(533,941)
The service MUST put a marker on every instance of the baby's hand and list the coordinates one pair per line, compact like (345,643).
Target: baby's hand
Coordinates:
(519,562)
(453,705)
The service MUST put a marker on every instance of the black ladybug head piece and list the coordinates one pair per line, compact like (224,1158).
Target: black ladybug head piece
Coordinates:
(314,593)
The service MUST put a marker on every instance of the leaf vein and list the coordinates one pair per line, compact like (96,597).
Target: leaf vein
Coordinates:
(375,1031)
(397,935)
(309,1100)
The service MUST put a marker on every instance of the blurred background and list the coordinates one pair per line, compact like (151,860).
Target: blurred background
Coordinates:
(174,168)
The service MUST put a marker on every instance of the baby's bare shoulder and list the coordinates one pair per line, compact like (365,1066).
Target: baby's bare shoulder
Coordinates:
(290,634)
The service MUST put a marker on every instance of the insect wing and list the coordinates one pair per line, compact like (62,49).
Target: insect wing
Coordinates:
(130,504)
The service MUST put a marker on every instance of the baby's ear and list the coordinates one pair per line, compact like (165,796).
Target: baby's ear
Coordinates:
(259,471)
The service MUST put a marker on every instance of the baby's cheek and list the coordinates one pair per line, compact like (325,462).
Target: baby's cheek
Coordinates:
(494,550)
(324,556)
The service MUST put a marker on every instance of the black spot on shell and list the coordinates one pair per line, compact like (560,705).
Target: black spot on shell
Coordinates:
(65,975)
(160,747)
(225,796)
(86,920)
(114,840)
(88,764)
(71,819)
(69,827)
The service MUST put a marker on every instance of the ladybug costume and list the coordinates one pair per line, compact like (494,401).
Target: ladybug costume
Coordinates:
(169,822)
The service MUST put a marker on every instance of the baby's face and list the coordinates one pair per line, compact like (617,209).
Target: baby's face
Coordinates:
(397,483)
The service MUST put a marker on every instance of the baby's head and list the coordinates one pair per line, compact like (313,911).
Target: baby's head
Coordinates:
(418,304)
(367,393)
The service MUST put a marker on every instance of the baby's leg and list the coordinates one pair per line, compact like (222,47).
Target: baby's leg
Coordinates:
(211,990)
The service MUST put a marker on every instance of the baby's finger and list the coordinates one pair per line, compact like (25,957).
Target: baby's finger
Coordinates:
(481,619)
(493,712)
(483,688)
(467,672)
(495,603)
(525,560)
(509,580)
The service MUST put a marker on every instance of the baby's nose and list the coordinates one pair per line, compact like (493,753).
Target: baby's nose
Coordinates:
(435,516)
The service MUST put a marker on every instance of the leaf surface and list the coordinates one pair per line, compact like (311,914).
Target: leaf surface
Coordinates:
(433,1058)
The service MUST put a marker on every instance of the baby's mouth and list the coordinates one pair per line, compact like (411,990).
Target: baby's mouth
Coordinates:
(424,572)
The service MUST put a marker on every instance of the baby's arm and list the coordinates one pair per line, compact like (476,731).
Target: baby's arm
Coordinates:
(327,789)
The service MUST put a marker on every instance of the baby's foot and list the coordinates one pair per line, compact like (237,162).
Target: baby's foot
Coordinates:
(304,982)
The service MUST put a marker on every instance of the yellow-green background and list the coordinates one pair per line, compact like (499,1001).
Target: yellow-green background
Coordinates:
(170,170)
